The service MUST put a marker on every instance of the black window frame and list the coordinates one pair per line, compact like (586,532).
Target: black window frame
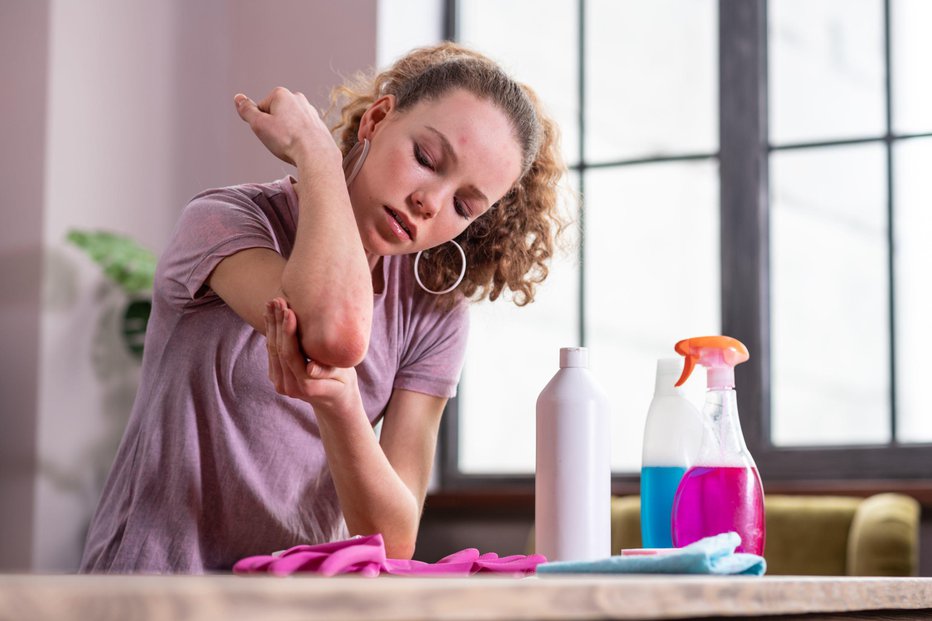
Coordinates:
(743,156)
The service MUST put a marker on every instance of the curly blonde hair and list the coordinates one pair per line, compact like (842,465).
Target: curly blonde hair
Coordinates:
(511,244)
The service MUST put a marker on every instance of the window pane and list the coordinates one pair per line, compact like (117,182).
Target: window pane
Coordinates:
(651,78)
(829,288)
(652,278)
(912,65)
(512,354)
(826,69)
(913,218)
(542,52)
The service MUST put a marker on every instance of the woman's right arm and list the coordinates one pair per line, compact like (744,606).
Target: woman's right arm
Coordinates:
(326,280)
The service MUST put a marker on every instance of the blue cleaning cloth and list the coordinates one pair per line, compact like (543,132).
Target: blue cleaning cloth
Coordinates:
(712,555)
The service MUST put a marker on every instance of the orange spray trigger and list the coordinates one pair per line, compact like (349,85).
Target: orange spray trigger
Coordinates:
(719,354)
(688,366)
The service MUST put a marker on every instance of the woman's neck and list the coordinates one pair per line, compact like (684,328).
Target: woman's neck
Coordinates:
(378,273)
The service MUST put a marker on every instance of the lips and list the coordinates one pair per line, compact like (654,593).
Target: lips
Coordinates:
(401,226)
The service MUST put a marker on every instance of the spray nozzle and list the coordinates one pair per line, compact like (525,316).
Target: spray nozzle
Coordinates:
(718,354)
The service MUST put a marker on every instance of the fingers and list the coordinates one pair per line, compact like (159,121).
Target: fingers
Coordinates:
(253,112)
(288,126)
(303,100)
(246,108)
(278,93)
(317,371)
(290,372)
(271,336)
(290,380)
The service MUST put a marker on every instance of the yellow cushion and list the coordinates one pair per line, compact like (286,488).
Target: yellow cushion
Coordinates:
(808,535)
(626,523)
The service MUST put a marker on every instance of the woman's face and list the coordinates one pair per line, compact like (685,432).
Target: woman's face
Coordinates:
(431,171)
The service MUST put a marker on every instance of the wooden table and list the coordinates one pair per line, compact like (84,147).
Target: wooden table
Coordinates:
(29,597)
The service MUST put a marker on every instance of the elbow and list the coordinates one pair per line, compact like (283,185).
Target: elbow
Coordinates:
(342,348)
(401,548)
(401,540)
(399,534)
(335,337)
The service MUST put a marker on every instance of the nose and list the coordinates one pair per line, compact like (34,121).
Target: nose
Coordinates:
(427,202)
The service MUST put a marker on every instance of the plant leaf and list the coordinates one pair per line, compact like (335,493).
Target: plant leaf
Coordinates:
(124,261)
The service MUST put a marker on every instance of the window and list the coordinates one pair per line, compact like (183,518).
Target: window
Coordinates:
(746,169)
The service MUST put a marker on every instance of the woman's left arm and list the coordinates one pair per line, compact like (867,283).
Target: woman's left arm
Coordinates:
(381,487)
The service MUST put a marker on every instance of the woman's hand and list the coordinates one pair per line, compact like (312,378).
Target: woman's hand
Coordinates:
(289,126)
(328,389)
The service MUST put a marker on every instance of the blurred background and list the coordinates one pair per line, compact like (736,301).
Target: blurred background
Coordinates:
(760,169)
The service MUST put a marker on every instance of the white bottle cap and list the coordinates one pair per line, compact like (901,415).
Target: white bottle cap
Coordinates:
(668,371)
(668,367)
(574,357)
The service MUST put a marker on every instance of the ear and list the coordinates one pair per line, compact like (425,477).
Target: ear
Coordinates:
(374,115)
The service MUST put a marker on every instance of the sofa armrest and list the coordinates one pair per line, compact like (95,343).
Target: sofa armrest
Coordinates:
(884,537)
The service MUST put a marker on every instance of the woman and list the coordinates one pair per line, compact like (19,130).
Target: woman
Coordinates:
(320,285)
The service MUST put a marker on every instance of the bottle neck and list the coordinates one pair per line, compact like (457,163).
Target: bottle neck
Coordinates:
(721,412)
(721,404)
(665,386)
(720,377)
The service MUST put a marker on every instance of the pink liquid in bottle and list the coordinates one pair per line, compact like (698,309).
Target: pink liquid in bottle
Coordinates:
(717,499)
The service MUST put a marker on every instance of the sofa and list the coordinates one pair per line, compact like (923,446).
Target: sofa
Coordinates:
(818,535)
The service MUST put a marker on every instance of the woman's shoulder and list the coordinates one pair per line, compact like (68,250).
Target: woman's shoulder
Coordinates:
(272,206)
(247,191)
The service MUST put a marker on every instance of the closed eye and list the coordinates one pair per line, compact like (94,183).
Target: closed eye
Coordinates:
(461,208)
(421,157)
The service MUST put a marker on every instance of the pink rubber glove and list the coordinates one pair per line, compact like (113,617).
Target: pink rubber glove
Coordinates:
(366,556)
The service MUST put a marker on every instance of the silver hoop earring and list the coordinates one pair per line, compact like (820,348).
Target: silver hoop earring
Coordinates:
(357,165)
(417,277)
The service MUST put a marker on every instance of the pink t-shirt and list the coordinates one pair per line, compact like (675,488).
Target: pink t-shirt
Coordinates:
(215,465)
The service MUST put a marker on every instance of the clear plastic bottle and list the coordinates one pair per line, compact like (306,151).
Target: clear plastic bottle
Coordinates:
(573,481)
(672,433)
(722,491)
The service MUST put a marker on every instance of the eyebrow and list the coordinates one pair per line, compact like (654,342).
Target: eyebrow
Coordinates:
(450,153)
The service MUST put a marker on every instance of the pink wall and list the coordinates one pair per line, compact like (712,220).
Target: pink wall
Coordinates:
(116,114)
(23,58)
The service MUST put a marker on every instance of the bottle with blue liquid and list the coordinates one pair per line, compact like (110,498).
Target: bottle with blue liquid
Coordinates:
(672,435)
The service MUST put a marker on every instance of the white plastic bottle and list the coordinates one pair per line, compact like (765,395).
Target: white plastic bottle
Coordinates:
(573,483)
(672,434)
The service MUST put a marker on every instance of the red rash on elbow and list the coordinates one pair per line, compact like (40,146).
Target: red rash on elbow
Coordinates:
(337,348)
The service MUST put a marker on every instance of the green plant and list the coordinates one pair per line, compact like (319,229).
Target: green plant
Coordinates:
(128,264)
(132,268)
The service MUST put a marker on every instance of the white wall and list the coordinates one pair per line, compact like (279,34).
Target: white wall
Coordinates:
(117,113)
(406,24)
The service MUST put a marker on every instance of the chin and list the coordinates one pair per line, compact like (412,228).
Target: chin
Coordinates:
(380,247)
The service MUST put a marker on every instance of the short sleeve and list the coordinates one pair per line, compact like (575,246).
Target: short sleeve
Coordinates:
(433,361)
(213,226)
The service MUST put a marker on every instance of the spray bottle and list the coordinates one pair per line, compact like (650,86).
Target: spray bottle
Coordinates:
(672,433)
(722,490)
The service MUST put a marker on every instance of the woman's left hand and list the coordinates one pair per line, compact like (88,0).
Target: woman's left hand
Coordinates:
(328,389)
